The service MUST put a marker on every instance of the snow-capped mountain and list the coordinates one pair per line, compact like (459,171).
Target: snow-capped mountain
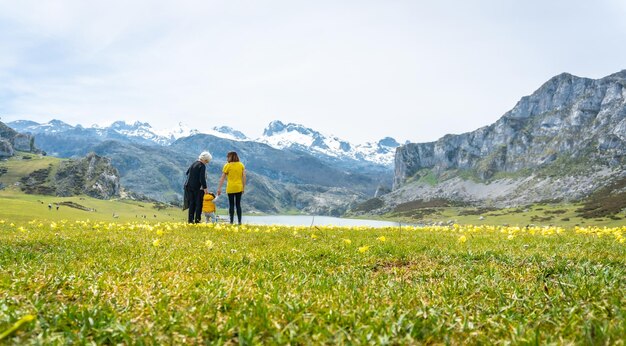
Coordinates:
(53,126)
(229,133)
(134,132)
(139,130)
(175,133)
(296,136)
(277,135)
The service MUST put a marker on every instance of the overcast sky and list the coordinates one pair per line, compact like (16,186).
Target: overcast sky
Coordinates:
(361,70)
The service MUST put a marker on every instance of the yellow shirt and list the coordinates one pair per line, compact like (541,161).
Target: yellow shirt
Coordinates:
(234,174)
(208,206)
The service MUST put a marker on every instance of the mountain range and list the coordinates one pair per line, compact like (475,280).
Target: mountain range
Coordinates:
(564,142)
(299,171)
(277,135)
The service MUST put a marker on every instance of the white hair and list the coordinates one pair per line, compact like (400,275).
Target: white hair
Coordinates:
(205,156)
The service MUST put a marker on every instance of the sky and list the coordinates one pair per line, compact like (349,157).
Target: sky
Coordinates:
(357,69)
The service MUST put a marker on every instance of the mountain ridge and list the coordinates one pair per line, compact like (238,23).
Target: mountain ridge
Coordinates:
(562,142)
(279,179)
(299,137)
(276,134)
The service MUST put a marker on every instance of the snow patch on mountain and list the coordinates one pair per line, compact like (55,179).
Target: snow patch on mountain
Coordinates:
(27,126)
(228,133)
(137,131)
(296,136)
(175,133)
(278,135)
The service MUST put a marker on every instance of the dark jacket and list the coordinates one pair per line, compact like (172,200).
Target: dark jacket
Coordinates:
(196,180)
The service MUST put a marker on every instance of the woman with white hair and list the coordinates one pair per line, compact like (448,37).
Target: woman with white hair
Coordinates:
(195,187)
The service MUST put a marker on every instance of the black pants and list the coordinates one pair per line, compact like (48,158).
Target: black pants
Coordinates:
(195,206)
(234,200)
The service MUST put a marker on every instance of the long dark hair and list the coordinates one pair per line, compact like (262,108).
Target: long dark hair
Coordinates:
(232,157)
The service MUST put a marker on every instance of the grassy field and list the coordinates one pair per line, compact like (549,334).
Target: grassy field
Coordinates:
(542,214)
(24,164)
(18,206)
(172,283)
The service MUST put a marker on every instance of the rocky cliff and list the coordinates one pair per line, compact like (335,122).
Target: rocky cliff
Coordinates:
(6,149)
(92,175)
(563,142)
(11,141)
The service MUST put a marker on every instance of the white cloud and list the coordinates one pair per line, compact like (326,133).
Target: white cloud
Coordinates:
(359,69)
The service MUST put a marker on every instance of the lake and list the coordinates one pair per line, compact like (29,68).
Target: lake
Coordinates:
(307,220)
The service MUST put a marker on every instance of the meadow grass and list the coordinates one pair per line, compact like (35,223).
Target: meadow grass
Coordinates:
(172,283)
(21,207)
(18,167)
(561,214)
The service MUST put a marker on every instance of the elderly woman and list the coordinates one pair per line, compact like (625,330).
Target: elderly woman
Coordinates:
(235,172)
(195,186)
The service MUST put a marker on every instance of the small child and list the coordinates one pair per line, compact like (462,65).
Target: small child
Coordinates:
(208,207)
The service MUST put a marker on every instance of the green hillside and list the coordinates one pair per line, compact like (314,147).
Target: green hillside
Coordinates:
(606,211)
(19,206)
(22,164)
(562,214)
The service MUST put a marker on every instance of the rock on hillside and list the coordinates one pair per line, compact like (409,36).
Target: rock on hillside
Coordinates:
(92,175)
(6,132)
(11,141)
(6,149)
(562,142)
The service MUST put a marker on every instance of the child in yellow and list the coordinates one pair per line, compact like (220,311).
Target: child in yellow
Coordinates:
(208,207)
(235,171)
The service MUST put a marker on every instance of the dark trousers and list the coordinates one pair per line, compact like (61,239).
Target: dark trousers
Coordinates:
(234,200)
(195,206)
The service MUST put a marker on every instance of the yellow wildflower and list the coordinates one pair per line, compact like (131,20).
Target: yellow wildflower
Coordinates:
(209,244)
(24,320)
(347,241)
(382,238)
(156,242)
(462,239)
(363,249)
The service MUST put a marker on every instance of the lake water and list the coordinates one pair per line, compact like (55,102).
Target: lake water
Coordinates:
(306,220)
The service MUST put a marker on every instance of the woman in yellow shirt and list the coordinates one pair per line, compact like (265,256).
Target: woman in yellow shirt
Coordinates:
(235,172)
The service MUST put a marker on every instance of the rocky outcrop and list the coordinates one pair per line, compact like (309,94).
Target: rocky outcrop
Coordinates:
(92,175)
(564,141)
(16,141)
(6,149)
(24,142)
(6,132)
